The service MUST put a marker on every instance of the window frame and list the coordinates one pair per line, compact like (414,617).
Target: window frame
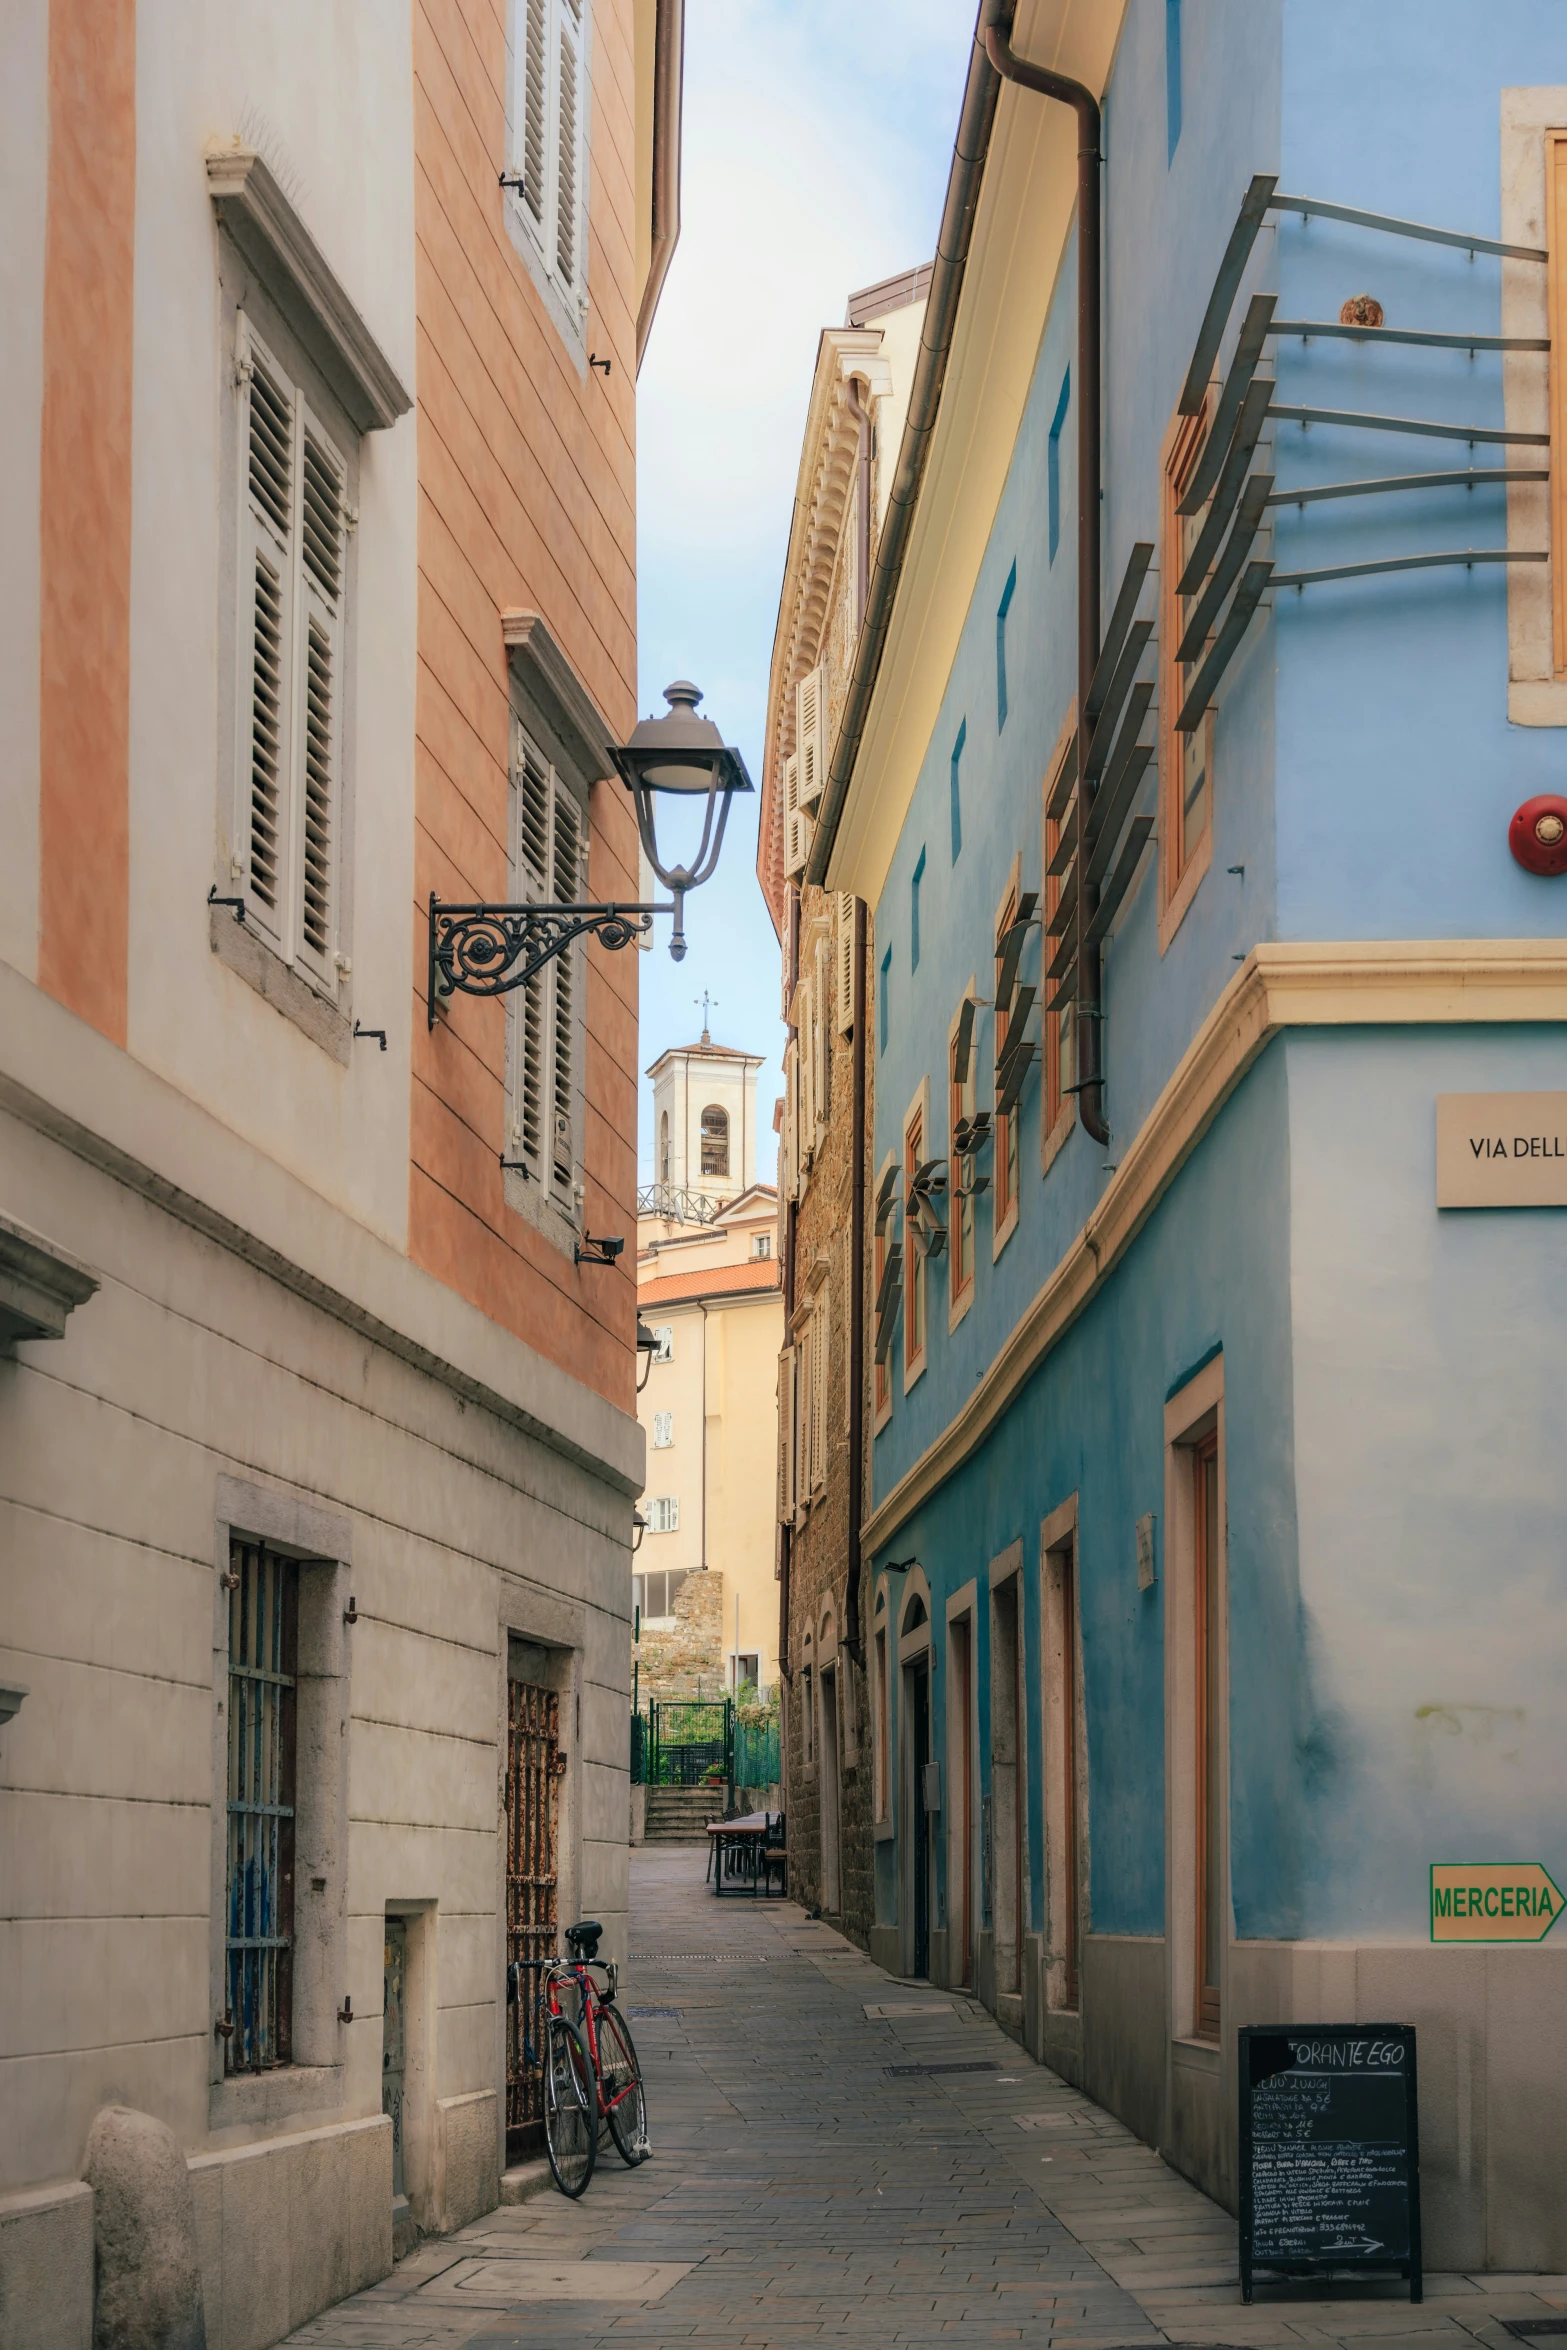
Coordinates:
(916,1296)
(1002,610)
(1064,1758)
(1006,1154)
(535,235)
(258,1824)
(319,1545)
(1181,865)
(310,983)
(881,1716)
(715,1139)
(1058,1113)
(669,1504)
(533,1184)
(962,1234)
(1554,158)
(881,1382)
(1198,1809)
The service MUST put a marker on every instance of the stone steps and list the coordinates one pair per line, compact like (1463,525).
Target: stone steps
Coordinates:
(681,1814)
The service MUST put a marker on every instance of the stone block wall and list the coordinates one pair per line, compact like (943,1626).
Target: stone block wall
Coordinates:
(689,1660)
(818,1570)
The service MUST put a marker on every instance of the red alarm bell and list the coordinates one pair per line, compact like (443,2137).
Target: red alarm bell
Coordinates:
(1537,834)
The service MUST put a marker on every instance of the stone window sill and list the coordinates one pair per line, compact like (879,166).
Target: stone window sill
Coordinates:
(258,2098)
(247,954)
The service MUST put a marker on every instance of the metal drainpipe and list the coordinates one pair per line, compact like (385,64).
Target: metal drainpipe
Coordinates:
(1089,1007)
(786,1533)
(854,1640)
(703,1304)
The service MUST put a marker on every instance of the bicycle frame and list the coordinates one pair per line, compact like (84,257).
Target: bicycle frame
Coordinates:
(591,2001)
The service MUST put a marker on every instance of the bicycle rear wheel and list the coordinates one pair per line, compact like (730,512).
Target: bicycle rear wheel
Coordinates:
(570,2107)
(625,2100)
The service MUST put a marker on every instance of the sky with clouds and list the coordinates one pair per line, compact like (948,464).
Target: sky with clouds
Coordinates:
(817,139)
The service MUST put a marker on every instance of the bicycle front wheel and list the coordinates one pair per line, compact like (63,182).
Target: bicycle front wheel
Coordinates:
(570,2108)
(620,2075)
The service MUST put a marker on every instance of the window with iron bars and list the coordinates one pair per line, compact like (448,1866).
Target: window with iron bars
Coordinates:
(259,1874)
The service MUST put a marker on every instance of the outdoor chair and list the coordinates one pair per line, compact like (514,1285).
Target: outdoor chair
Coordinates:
(774,1854)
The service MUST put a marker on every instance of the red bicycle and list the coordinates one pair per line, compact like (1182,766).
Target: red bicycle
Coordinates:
(592,2076)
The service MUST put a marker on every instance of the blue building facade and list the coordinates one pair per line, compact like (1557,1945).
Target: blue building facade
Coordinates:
(1218,1513)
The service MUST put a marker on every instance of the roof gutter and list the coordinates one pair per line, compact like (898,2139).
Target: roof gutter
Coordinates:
(1089,1007)
(970,149)
(669,43)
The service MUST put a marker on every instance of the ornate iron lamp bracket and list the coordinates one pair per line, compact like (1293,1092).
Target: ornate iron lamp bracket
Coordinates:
(489,950)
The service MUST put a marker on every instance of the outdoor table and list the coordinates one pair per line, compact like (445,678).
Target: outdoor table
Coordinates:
(737,1845)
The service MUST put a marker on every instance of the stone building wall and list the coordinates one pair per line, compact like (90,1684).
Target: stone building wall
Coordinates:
(687,1661)
(818,1576)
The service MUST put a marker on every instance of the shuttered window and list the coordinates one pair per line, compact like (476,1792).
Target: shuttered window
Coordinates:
(786,1436)
(819,1342)
(549,842)
(292,563)
(549,152)
(843,963)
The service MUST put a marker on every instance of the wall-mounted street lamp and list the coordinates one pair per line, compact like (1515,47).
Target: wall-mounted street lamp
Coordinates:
(488,950)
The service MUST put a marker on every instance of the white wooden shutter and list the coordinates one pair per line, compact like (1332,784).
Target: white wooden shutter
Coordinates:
(531,791)
(319,670)
(565,976)
(810,734)
(843,966)
(786,1437)
(820,1340)
(786,1138)
(568,233)
(804,1422)
(804,1077)
(532,110)
(266,622)
(821,1017)
(797,826)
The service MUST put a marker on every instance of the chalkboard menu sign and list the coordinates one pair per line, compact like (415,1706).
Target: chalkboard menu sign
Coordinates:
(1330,2153)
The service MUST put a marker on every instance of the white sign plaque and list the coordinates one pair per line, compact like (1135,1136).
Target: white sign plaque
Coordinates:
(1501,1150)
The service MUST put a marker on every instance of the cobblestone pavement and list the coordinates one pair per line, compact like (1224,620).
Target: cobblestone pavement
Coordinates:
(809,2186)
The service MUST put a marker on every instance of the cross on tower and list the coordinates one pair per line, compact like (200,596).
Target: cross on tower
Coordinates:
(705,1000)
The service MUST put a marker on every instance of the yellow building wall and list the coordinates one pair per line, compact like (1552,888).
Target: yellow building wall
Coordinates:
(721,1382)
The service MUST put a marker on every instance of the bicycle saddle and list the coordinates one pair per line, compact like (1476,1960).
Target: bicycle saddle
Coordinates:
(582,1940)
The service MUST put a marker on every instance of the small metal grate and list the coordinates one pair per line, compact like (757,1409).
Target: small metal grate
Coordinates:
(1529,2329)
(902,2070)
(693,1957)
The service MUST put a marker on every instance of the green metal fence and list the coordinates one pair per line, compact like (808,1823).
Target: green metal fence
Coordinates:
(756,1753)
(681,1742)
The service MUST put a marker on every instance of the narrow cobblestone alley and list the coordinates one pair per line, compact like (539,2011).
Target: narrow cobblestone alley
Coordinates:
(840,2155)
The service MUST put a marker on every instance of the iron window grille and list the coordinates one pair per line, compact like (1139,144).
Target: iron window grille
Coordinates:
(259,1888)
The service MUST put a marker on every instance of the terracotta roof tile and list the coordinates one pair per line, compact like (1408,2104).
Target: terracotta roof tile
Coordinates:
(712,1281)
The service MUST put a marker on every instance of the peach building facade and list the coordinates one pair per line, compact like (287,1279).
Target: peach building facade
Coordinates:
(318,1447)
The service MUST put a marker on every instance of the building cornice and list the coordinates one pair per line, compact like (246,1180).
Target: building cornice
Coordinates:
(1021,228)
(821,500)
(1439,983)
(62,1079)
(553,688)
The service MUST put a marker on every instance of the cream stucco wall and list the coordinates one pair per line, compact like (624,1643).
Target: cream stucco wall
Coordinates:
(340,138)
(241,1199)
(720,1387)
